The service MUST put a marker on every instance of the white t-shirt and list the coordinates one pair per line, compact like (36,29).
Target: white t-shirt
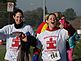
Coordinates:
(12,43)
(53,41)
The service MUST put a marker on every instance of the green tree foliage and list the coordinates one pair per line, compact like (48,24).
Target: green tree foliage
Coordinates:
(70,14)
(34,17)
(3,1)
(3,19)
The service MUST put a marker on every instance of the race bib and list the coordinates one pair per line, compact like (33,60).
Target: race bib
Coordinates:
(54,56)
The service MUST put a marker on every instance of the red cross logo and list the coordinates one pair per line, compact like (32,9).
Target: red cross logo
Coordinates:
(16,42)
(52,44)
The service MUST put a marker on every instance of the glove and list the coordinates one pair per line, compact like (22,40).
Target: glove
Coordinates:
(28,33)
(35,57)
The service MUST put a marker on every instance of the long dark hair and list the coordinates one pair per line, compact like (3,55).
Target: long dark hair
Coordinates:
(16,11)
(24,48)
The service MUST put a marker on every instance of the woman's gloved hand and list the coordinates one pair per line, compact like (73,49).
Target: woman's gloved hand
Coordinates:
(35,57)
(23,37)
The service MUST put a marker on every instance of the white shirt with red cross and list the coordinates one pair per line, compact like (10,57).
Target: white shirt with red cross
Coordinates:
(53,41)
(12,43)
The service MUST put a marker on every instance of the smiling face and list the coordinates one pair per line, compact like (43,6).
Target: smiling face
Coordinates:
(51,21)
(18,17)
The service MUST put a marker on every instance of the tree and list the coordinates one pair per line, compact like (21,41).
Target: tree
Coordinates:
(70,14)
(3,1)
(34,17)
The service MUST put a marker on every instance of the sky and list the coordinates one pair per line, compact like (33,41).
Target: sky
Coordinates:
(52,5)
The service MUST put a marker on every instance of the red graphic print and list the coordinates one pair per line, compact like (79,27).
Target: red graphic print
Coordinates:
(52,44)
(16,42)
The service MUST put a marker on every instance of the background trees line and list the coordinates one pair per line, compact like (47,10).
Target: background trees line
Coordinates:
(35,17)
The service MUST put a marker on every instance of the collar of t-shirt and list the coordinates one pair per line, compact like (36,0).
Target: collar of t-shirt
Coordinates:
(52,29)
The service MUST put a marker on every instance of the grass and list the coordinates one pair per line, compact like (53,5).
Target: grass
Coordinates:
(76,54)
(2,52)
